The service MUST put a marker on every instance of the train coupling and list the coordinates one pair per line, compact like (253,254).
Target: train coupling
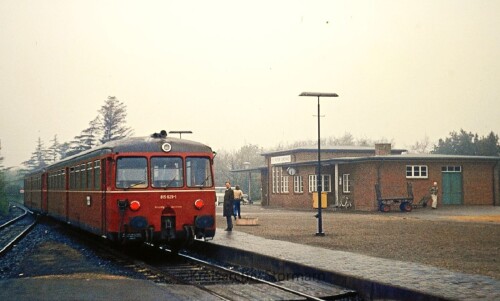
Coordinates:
(168,227)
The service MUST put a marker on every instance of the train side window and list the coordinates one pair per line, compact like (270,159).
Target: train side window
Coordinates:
(72,178)
(77,176)
(61,179)
(89,175)
(198,172)
(167,172)
(63,174)
(131,172)
(83,176)
(97,175)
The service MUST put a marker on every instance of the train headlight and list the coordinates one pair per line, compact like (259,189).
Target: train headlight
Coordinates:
(135,205)
(199,204)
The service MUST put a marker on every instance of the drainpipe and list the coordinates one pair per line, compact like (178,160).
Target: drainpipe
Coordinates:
(496,185)
(336,184)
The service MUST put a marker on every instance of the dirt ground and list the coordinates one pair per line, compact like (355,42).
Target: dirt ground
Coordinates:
(458,238)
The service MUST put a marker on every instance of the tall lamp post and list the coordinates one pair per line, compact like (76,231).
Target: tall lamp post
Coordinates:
(318,177)
(247,166)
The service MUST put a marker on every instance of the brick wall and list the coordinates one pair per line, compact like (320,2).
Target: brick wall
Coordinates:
(480,181)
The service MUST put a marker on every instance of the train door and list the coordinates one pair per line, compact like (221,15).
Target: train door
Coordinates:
(45,193)
(452,185)
(100,175)
(66,192)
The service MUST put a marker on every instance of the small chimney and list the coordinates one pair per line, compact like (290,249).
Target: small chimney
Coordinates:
(382,149)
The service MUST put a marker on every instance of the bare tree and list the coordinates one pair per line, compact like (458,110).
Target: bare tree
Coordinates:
(421,147)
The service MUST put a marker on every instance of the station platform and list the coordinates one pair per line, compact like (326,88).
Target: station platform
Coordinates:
(76,288)
(373,278)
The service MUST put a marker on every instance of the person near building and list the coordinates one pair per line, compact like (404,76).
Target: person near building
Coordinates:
(238,198)
(434,195)
(227,209)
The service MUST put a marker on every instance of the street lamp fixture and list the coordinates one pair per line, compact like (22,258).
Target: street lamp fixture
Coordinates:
(180,133)
(318,177)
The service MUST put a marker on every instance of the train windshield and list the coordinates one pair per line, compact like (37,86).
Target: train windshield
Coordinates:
(131,172)
(198,172)
(167,172)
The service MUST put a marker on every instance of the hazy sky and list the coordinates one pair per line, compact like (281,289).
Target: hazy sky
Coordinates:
(231,71)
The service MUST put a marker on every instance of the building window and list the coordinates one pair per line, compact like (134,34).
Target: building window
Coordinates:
(325,183)
(416,172)
(284,184)
(312,183)
(277,178)
(280,182)
(298,184)
(346,183)
(451,169)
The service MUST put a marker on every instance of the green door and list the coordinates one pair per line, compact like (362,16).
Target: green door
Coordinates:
(452,188)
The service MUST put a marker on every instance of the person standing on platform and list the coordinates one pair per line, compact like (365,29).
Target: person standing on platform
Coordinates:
(227,209)
(238,197)
(434,195)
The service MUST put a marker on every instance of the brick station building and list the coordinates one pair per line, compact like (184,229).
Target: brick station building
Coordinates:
(289,177)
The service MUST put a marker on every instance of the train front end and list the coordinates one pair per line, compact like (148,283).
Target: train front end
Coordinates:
(163,194)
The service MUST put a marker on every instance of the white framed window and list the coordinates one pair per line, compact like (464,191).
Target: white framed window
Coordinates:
(298,184)
(278,181)
(312,183)
(451,169)
(284,184)
(416,172)
(346,183)
(326,183)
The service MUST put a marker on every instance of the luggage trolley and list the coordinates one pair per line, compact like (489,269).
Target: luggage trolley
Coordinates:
(405,202)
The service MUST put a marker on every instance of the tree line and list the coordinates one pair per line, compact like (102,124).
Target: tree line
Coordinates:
(108,125)
(467,143)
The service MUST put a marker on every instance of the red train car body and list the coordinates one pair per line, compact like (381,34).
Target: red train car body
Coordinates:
(150,189)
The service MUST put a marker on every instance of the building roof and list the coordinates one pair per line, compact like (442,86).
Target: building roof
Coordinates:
(404,157)
(255,169)
(333,149)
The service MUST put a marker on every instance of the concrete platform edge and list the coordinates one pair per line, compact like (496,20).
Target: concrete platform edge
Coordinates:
(288,270)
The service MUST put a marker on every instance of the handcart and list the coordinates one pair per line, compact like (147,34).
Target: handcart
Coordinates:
(405,202)
(423,201)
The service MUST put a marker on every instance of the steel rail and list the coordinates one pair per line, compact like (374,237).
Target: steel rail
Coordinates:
(18,237)
(307,296)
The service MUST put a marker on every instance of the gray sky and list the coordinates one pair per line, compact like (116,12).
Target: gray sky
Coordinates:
(231,71)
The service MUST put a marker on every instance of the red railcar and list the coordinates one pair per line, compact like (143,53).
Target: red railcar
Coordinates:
(152,189)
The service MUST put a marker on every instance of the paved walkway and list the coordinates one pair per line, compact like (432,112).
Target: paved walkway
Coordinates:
(428,280)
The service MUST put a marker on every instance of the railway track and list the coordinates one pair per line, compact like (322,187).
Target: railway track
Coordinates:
(222,282)
(252,286)
(13,230)
(232,283)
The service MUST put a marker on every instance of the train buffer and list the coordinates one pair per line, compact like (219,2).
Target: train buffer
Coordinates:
(385,203)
